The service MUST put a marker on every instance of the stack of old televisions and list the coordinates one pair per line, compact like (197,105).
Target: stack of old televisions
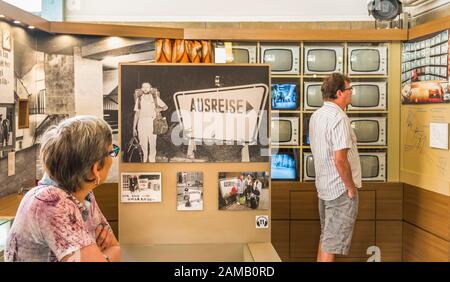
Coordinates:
(297,72)
(426,59)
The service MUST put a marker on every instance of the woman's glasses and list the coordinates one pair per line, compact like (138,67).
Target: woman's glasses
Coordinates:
(115,151)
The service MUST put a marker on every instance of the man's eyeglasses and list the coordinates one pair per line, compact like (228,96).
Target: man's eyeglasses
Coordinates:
(349,88)
(114,152)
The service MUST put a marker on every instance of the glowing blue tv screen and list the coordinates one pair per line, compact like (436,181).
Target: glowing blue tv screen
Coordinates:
(284,96)
(284,167)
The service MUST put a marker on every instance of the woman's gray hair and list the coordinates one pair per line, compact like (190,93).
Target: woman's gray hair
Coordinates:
(71,148)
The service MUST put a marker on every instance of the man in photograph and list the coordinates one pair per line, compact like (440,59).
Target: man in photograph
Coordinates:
(337,168)
(5,128)
(147,108)
(1,130)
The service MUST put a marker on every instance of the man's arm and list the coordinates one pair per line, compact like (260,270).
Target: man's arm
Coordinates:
(345,172)
(92,253)
(135,120)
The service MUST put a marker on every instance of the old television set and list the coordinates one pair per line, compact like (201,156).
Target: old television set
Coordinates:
(283,59)
(285,164)
(243,54)
(284,96)
(368,96)
(312,95)
(323,59)
(369,131)
(373,166)
(238,53)
(285,131)
(365,60)
(309,172)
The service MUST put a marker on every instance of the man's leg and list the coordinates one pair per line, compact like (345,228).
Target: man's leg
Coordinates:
(152,153)
(324,256)
(321,255)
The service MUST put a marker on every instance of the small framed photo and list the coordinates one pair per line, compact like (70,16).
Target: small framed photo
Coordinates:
(190,191)
(141,187)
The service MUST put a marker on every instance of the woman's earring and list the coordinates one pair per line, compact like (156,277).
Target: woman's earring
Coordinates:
(97,181)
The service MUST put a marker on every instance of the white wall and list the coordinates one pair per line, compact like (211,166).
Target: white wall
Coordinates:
(88,86)
(210,10)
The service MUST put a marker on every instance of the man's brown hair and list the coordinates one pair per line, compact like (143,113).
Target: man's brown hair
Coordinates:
(332,84)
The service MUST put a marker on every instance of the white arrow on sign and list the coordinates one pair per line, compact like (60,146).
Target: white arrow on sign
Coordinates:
(225,114)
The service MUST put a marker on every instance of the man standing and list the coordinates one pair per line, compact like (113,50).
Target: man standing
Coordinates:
(148,106)
(337,168)
(5,126)
(1,130)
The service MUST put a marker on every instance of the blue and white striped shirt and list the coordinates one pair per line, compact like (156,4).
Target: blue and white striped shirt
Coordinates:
(330,131)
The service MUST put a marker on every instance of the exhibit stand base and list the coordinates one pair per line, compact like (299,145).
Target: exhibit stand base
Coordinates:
(233,252)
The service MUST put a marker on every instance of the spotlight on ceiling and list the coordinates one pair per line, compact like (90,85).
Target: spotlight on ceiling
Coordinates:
(384,10)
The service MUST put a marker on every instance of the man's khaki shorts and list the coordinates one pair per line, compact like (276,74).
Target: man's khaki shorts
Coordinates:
(337,220)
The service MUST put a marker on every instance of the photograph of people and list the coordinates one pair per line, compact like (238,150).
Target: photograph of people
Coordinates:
(6,128)
(148,107)
(142,187)
(243,191)
(337,168)
(165,119)
(190,191)
(59,220)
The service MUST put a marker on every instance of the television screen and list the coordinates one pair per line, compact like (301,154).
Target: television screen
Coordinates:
(321,60)
(281,130)
(309,164)
(369,166)
(365,95)
(366,131)
(284,167)
(279,59)
(314,96)
(240,56)
(284,96)
(365,60)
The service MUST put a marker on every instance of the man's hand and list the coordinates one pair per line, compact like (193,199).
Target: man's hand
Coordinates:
(351,192)
(104,237)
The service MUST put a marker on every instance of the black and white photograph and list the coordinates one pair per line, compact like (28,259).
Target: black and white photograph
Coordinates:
(6,127)
(6,66)
(141,187)
(244,191)
(190,191)
(194,113)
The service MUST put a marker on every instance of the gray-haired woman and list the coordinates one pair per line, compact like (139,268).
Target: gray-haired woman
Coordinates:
(59,220)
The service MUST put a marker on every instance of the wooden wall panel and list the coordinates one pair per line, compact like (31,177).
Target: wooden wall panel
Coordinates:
(427,210)
(422,246)
(280,238)
(304,238)
(304,205)
(106,196)
(389,238)
(390,203)
(280,202)
(367,207)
